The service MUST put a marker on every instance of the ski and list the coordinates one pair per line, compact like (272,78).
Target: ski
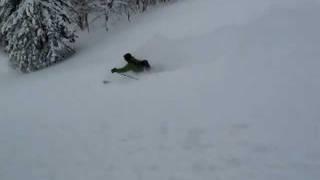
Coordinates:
(128,76)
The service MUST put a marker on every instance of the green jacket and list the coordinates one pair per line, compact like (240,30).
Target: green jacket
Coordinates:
(130,67)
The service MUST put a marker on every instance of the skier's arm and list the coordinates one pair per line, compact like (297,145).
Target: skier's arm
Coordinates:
(126,68)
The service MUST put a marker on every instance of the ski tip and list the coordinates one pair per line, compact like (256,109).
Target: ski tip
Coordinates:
(106,82)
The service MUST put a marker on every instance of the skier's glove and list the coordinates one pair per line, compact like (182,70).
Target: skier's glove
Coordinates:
(113,70)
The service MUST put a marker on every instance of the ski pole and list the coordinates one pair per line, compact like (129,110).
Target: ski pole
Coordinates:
(128,76)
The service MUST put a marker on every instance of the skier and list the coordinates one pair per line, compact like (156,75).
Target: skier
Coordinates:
(134,65)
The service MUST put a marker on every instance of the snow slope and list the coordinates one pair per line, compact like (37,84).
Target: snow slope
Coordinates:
(234,95)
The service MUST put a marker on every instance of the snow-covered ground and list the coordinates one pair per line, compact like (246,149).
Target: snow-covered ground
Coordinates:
(234,95)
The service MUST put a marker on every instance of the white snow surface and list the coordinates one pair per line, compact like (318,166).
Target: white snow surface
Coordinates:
(234,95)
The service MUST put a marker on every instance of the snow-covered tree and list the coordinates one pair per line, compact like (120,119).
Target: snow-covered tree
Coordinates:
(38,33)
(7,7)
(83,9)
(109,9)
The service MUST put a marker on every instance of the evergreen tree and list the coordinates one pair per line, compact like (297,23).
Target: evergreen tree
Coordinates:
(109,9)
(38,33)
(125,7)
(7,7)
(83,8)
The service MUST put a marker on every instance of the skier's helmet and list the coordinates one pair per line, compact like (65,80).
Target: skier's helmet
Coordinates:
(127,56)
